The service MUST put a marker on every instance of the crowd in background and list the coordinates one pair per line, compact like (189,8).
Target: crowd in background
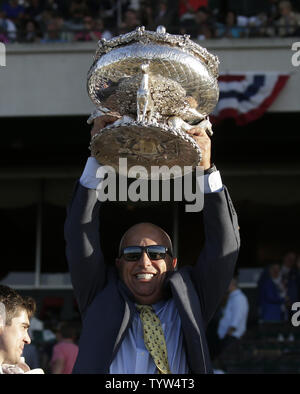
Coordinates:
(279,289)
(53,345)
(30,21)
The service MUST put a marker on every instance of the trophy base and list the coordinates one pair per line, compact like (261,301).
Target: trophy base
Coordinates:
(157,150)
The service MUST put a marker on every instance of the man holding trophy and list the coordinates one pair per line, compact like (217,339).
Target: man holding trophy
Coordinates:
(153,93)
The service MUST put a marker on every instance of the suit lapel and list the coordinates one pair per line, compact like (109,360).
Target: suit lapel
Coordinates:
(187,302)
(129,310)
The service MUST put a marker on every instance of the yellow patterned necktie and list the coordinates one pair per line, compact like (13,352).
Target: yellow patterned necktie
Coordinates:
(154,338)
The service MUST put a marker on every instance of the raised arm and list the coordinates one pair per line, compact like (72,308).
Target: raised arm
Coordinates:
(216,263)
(83,251)
(82,226)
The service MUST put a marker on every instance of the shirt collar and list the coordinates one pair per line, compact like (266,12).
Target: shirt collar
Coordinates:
(159,305)
(234,292)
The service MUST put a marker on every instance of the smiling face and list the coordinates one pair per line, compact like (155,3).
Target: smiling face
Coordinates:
(13,337)
(145,277)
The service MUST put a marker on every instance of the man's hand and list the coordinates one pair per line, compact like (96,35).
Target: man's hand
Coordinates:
(102,121)
(200,136)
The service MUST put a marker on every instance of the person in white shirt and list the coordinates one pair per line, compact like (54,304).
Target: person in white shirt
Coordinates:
(233,323)
(235,313)
(15,312)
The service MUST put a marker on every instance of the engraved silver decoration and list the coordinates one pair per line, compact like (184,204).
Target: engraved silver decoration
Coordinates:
(162,85)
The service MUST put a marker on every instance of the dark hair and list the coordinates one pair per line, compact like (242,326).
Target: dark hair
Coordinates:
(14,303)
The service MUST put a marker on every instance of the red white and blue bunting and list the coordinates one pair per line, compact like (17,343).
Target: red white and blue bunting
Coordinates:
(245,97)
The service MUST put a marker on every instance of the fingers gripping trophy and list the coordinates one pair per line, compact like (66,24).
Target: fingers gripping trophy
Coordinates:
(157,87)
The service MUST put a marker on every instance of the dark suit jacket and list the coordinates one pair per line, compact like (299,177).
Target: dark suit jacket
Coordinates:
(270,300)
(107,306)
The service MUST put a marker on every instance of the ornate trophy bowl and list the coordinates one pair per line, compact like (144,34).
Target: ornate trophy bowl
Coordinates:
(161,85)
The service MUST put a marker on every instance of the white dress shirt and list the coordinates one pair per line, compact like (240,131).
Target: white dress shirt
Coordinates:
(235,315)
(90,178)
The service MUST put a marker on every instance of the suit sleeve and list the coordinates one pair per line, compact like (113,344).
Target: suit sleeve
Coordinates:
(215,266)
(83,251)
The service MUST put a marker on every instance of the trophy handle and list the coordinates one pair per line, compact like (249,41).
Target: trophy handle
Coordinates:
(143,97)
(179,123)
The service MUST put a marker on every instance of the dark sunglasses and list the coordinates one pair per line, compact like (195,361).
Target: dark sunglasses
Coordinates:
(154,252)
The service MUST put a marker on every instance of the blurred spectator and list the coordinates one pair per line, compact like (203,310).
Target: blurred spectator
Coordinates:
(60,7)
(272,295)
(13,10)
(46,343)
(230,29)
(147,16)
(44,19)
(93,30)
(262,24)
(289,21)
(272,12)
(199,25)
(187,8)
(131,21)
(65,351)
(3,35)
(289,278)
(272,9)
(8,30)
(77,11)
(53,33)
(30,32)
(204,24)
(35,325)
(65,34)
(233,323)
(33,8)
(253,26)
(109,11)
(164,15)
(260,27)
(193,17)
(107,34)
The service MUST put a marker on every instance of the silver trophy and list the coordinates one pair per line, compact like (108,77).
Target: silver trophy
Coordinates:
(162,85)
